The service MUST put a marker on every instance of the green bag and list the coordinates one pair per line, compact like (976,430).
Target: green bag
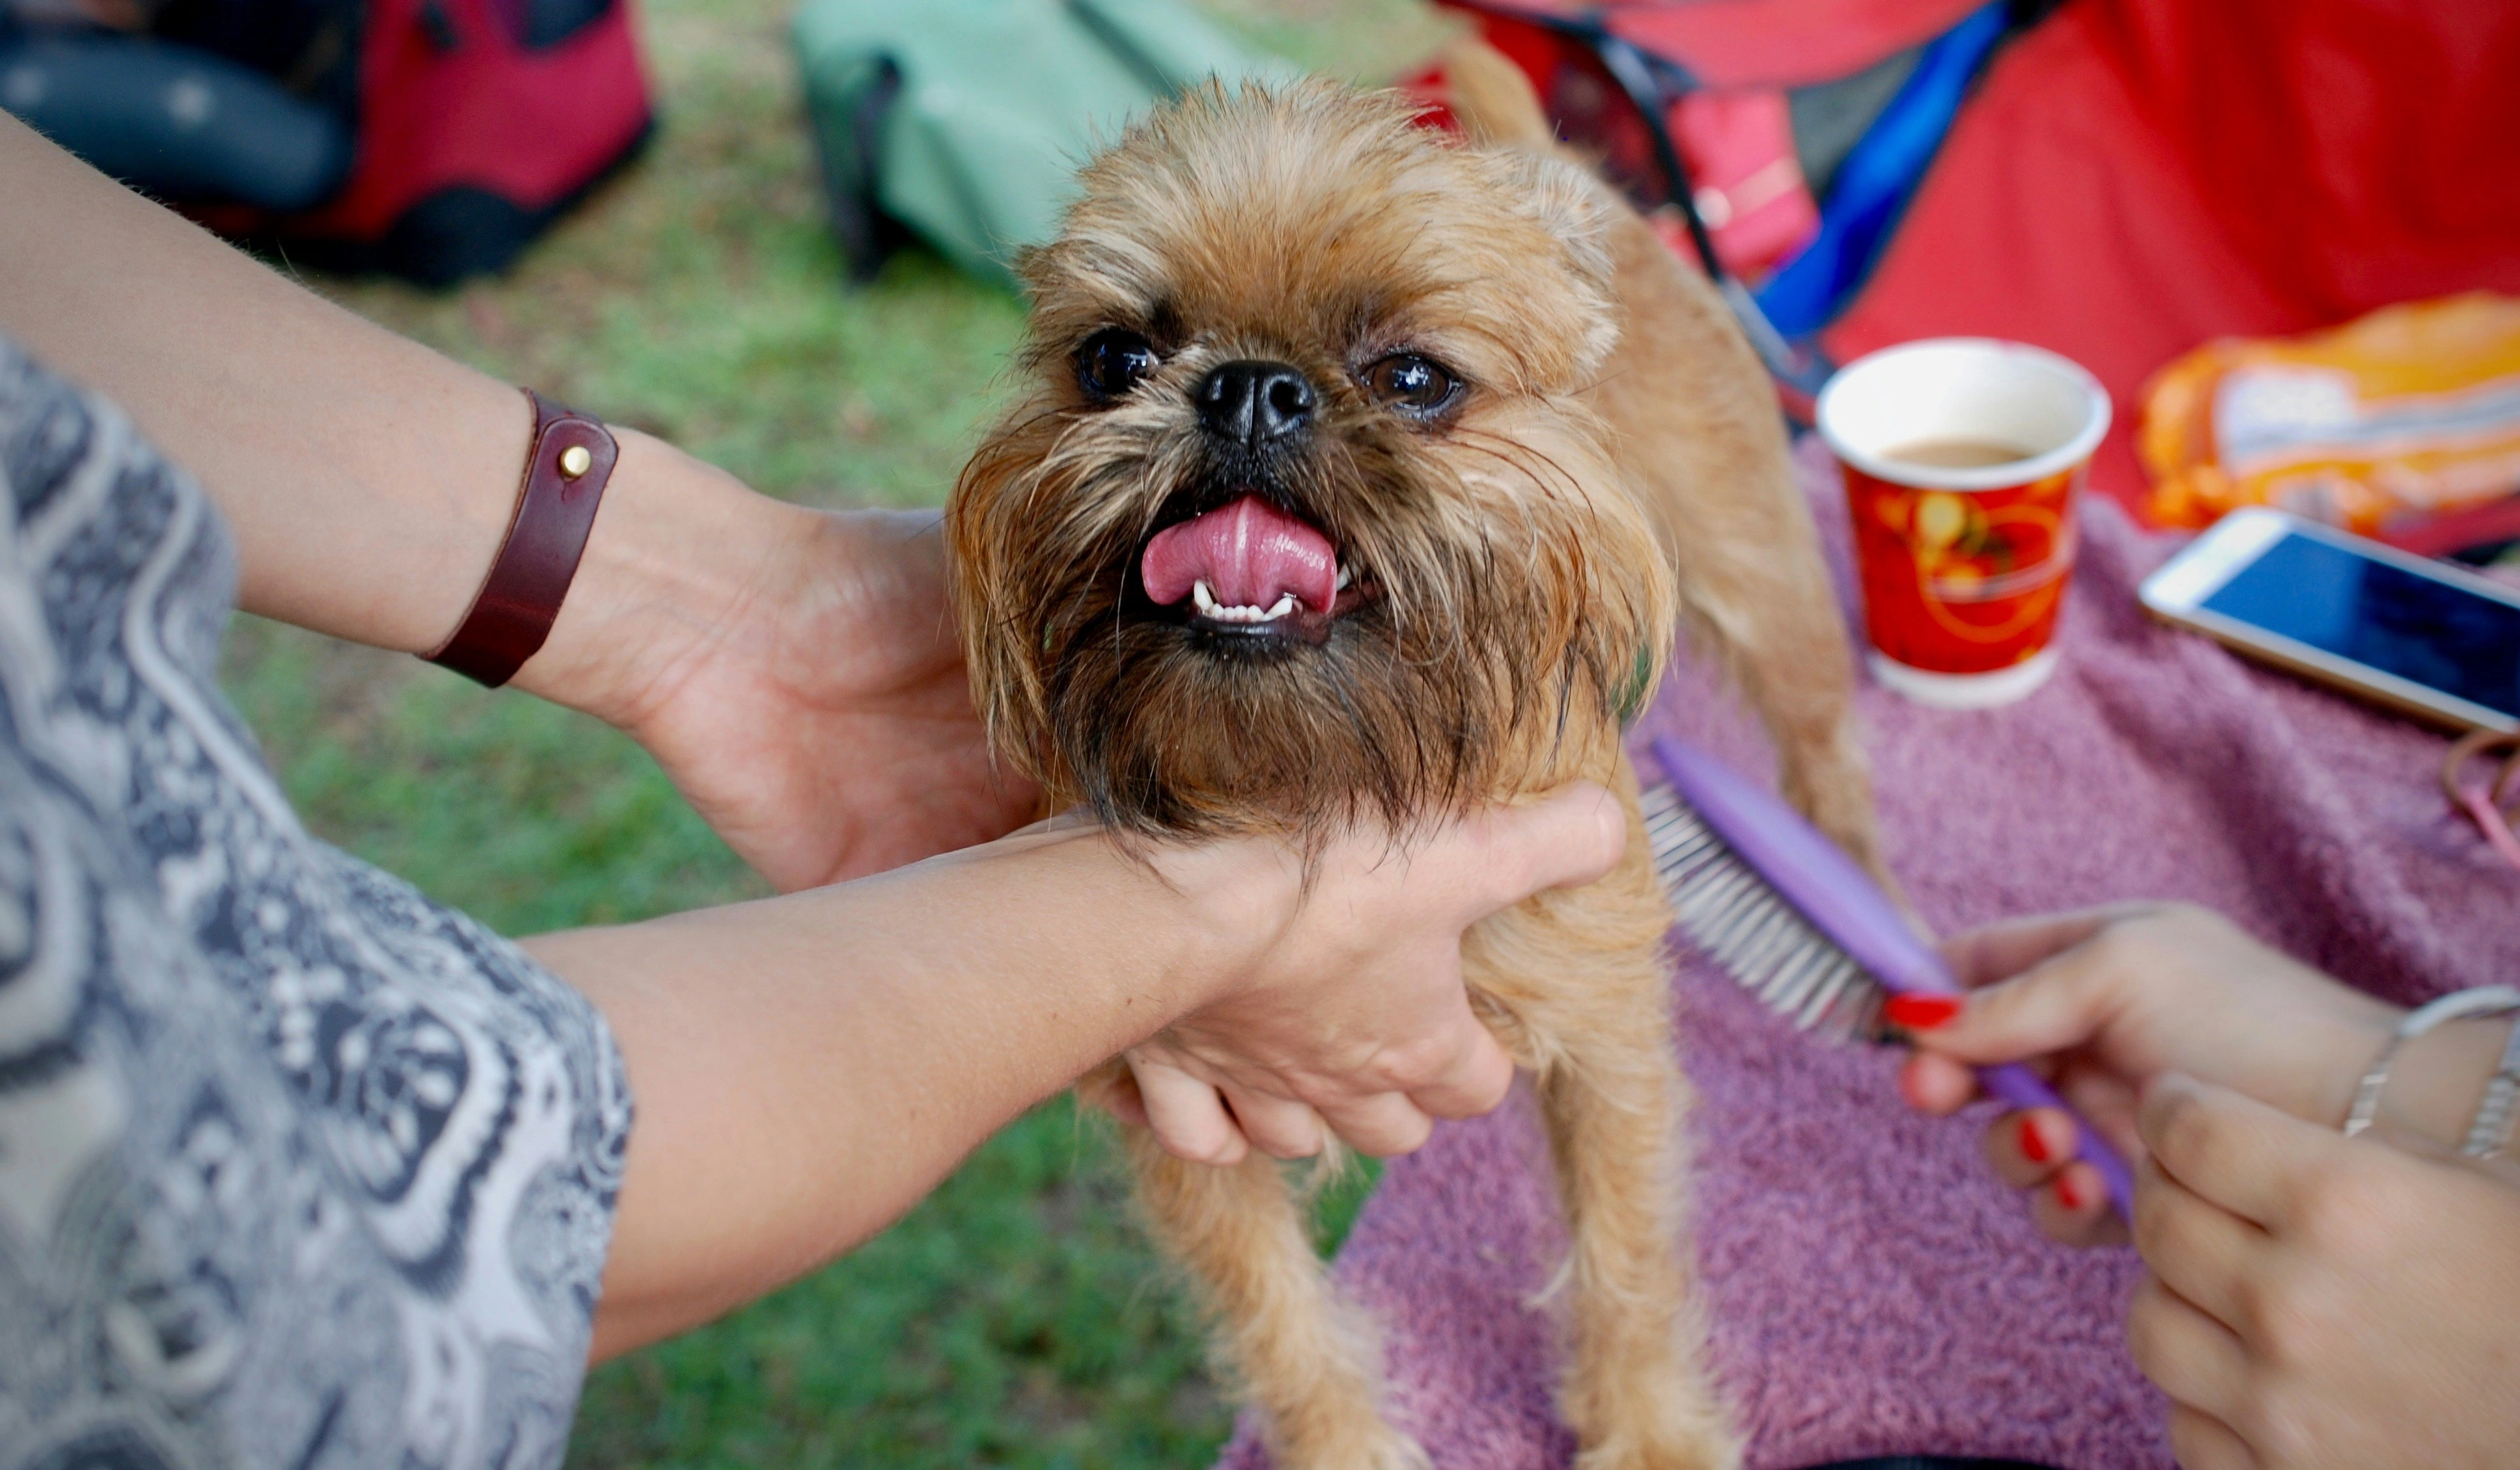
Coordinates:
(965,120)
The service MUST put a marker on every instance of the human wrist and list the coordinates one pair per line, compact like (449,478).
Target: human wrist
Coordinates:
(1194,934)
(2436,1079)
(675,550)
(2337,1052)
(1236,899)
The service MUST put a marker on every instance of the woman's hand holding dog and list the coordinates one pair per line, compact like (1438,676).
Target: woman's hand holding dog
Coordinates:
(1351,1012)
(2311,1300)
(795,672)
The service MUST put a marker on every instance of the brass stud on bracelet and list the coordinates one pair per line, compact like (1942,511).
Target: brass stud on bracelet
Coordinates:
(575,461)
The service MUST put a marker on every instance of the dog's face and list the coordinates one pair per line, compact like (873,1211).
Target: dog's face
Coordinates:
(1302,517)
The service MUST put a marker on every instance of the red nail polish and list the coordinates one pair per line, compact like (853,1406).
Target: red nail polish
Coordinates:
(2067,1194)
(2034,1147)
(1919,1012)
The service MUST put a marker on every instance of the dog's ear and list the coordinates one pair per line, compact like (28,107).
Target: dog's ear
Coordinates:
(1567,203)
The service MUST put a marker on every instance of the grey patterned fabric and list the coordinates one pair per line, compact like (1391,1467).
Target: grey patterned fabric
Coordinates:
(297,1169)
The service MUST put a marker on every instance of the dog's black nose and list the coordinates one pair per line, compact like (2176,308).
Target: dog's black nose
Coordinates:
(1253,403)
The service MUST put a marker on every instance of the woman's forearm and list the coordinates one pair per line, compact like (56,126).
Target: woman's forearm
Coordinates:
(807,1067)
(367,480)
(331,443)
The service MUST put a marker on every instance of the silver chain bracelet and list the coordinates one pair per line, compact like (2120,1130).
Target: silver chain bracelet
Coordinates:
(2491,1129)
(2457,1005)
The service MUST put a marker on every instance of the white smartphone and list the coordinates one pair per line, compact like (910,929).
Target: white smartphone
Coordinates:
(2419,634)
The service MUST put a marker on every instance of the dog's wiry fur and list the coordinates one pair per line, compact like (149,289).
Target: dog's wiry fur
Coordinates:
(1612,462)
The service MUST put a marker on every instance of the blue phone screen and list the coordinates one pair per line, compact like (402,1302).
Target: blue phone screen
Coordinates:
(2381,615)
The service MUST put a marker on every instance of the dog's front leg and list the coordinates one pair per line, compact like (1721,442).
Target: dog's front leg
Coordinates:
(1614,1102)
(1310,1363)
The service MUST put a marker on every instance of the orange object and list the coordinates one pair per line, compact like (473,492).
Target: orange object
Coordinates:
(2408,413)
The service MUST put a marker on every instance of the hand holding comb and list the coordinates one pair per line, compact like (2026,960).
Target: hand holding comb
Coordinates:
(1794,920)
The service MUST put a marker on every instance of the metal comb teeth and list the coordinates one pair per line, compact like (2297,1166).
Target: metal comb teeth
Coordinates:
(1732,914)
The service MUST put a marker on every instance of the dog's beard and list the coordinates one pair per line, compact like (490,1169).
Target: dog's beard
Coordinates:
(1499,599)
(1490,609)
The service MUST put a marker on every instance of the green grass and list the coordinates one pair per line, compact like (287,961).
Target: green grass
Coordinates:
(1011,1320)
(1018,1317)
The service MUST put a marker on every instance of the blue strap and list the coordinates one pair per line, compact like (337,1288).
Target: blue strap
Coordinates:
(1878,177)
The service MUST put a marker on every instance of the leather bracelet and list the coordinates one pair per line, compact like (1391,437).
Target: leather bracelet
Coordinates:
(567,465)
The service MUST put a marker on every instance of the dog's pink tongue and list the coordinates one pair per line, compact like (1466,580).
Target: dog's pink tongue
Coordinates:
(1249,553)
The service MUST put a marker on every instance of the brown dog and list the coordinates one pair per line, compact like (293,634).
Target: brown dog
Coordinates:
(1362,475)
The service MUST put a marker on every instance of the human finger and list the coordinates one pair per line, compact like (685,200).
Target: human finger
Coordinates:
(2026,1148)
(1383,1126)
(2187,1354)
(1998,952)
(2073,1209)
(1188,1115)
(2196,1247)
(2061,1000)
(1476,1078)
(2232,1150)
(1280,1126)
(2201,1442)
(1940,1086)
(1121,1099)
(2104,1101)
(1936,1086)
(1567,838)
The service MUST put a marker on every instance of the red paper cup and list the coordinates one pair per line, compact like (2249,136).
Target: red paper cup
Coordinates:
(1962,457)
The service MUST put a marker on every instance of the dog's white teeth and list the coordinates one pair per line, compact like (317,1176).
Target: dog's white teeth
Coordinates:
(1214,611)
(1347,574)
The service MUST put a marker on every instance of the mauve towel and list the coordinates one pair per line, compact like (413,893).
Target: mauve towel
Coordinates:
(1875,1292)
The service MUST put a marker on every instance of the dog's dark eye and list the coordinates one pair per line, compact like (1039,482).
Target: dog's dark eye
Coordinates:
(1111,362)
(1413,384)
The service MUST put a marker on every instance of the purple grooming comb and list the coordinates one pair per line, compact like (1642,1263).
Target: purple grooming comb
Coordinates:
(1792,918)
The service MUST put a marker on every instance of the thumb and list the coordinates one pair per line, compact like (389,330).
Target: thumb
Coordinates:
(2256,1161)
(1568,838)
